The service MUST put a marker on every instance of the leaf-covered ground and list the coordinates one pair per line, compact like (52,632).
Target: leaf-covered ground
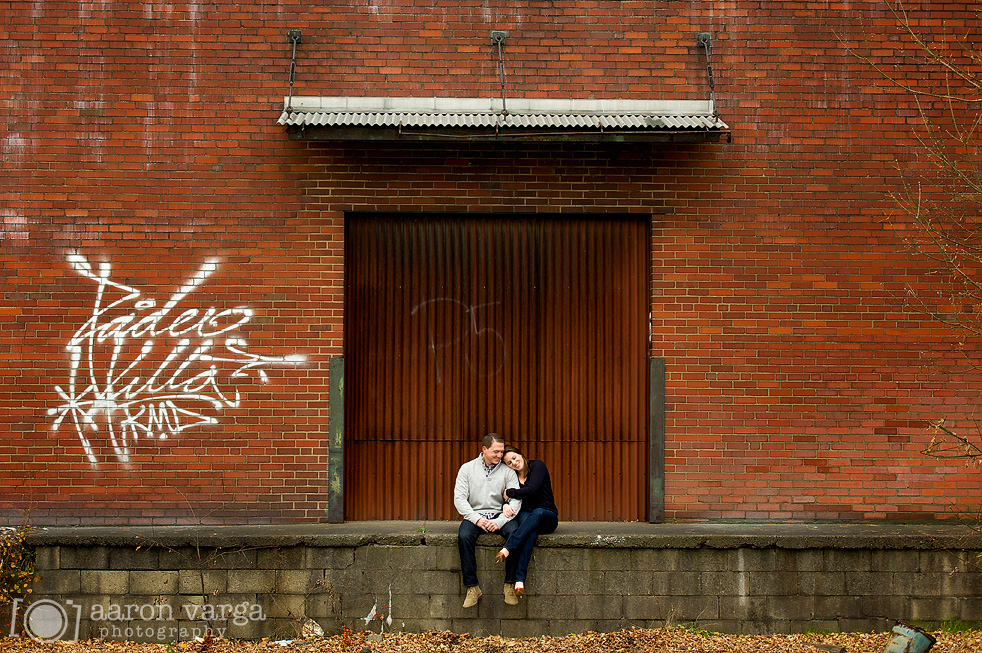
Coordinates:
(659,640)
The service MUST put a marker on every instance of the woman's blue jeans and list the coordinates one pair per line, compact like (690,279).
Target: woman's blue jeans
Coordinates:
(521,542)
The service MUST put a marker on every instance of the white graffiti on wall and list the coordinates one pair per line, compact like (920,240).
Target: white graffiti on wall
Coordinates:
(493,343)
(123,382)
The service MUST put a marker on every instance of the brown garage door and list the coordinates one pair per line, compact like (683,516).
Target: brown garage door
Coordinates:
(532,327)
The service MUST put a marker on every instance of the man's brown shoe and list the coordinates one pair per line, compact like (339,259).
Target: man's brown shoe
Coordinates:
(473,594)
(510,597)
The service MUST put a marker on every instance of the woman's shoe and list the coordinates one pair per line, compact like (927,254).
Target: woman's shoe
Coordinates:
(519,589)
(500,556)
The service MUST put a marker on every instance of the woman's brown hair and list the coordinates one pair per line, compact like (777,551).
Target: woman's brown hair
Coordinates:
(510,449)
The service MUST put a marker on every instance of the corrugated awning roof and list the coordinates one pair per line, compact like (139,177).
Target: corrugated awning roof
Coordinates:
(406,118)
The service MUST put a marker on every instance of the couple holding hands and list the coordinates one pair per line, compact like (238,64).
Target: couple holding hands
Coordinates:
(513,499)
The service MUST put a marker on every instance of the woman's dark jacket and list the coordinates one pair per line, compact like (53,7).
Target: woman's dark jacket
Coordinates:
(536,491)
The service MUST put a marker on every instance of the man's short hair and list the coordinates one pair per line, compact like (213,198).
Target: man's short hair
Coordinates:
(490,439)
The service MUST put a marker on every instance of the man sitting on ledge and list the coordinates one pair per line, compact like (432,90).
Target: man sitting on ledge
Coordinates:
(478,496)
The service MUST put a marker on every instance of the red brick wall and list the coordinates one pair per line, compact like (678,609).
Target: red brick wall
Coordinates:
(143,138)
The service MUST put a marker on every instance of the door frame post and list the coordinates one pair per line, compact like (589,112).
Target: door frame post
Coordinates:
(335,442)
(656,440)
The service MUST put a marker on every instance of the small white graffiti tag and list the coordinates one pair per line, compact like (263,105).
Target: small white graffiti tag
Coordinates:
(122,381)
(494,341)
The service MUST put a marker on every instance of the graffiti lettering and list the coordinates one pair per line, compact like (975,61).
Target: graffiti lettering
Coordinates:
(121,383)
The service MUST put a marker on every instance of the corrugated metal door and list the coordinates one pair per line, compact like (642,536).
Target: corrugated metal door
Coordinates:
(532,327)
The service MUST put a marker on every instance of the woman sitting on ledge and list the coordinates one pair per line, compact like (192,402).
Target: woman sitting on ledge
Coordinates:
(539,514)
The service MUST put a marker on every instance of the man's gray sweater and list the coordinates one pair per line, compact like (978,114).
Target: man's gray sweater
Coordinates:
(477,492)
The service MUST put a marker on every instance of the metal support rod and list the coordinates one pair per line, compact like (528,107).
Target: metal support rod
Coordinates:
(705,40)
(295,36)
(497,38)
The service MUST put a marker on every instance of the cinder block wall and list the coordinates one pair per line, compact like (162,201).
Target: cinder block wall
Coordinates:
(411,582)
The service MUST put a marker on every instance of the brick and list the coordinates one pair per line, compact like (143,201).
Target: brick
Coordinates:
(970,610)
(823,583)
(241,558)
(935,609)
(523,628)
(280,558)
(656,559)
(323,605)
(447,558)
(95,557)
(47,558)
(105,582)
(648,607)
(202,582)
(156,583)
(328,558)
(121,558)
(242,581)
(548,607)
(293,606)
(299,581)
(583,583)
(569,560)
(587,608)
(605,559)
(476,626)
(55,581)
(791,608)
(182,558)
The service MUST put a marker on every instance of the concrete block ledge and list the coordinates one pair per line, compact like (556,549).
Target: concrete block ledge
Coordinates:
(152,582)
(591,535)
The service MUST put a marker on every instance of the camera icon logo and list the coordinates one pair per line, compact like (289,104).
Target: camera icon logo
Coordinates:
(46,620)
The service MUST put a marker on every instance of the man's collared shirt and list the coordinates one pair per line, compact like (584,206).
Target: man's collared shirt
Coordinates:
(488,469)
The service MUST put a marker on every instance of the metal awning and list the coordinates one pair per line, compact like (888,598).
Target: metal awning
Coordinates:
(408,118)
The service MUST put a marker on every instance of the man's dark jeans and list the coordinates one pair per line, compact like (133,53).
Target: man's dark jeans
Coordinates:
(467,536)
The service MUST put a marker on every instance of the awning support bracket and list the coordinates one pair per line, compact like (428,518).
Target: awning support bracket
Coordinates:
(498,38)
(705,40)
(294,36)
